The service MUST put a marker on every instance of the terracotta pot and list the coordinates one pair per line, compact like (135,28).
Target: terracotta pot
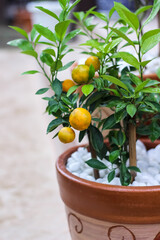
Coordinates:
(106,212)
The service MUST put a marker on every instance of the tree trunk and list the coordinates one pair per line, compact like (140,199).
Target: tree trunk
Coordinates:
(132,147)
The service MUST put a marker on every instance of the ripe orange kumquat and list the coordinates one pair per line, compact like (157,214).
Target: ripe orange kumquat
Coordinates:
(80,119)
(66,135)
(80,74)
(67,84)
(94,61)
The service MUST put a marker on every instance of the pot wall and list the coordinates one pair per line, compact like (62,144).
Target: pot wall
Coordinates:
(107,209)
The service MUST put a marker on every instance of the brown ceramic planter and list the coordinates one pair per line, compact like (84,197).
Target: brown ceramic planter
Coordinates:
(106,212)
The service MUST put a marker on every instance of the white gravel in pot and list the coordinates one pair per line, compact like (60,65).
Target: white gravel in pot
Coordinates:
(147,161)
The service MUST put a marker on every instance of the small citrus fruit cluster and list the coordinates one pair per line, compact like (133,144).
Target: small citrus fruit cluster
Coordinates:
(79,119)
(80,73)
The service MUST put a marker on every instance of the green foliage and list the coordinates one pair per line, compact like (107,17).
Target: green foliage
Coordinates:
(131,99)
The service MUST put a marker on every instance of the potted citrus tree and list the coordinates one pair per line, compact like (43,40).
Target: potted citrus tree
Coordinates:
(106,201)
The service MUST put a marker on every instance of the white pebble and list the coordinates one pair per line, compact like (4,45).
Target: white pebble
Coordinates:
(153,171)
(157,177)
(74,166)
(147,161)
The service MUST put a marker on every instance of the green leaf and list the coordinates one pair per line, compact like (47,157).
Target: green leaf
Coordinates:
(136,80)
(71,35)
(87,89)
(81,135)
(45,32)
(42,90)
(33,34)
(130,18)
(111,176)
(109,122)
(61,29)
(142,9)
(66,66)
(91,72)
(131,109)
(149,40)
(96,164)
(155,10)
(122,35)
(50,51)
(71,90)
(151,90)
(114,155)
(21,31)
(120,106)
(62,3)
(115,81)
(141,86)
(79,15)
(97,142)
(57,87)
(48,12)
(101,16)
(30,53)
(54,124)
(30,72)
(112,44)
(125,175)
(121,138)
(111,12)
(21,43)
(66,100)
(133,168)
(46,58)
(128,58)
(73,5)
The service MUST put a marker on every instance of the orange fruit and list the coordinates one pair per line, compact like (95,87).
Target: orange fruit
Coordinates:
(66,135)
(94,61)
(80,74)
(80,119)
(67,84)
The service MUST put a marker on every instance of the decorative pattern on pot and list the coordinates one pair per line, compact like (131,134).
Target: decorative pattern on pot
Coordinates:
(82,227)
(123,232)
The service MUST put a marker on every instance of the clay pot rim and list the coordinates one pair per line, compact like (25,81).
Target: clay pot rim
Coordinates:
(61,168)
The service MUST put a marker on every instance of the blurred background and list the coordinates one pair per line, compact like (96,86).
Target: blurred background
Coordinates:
(30,205)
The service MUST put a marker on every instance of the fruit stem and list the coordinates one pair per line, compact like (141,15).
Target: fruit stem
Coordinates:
(94,155)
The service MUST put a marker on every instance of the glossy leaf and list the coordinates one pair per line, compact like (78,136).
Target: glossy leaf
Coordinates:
(116,81)
(45,32)
(128,58)
(114,155)
(57,87)
(155,10)
(66,66)
(128,16)
(61,29)
(22,44)
(30,53)
(71,90)
(54,124)
(96,164)
(87,89)
(111,176)
(122,35)
(149,40)
(131,110)
(143,9)
(42,90)
(48,12)
(30,72)
(20,30)
(97,142)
